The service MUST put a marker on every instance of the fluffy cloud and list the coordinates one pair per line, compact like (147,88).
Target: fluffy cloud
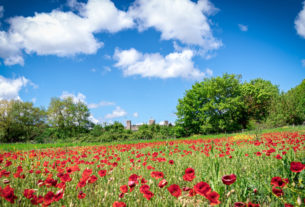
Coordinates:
(182,20)
(9,88)
(173,65)
(100,104)
(62,33)
(93,120)
(136,114)
(243,28)
(300,22)
(116,113)
(76,98)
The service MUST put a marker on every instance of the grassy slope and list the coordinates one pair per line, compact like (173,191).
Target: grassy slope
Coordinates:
(30,146)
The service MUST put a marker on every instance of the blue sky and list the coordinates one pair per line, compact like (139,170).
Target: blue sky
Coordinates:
(135,59)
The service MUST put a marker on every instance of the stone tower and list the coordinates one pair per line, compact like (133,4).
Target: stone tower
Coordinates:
(128,124)
(151,122)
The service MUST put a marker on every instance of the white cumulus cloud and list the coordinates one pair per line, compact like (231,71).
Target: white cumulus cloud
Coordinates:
(116,113)
(136,114)
(300,22)
(173,65)
(182,20)
(100,104)
(62,33)
(76,98)
(9,88)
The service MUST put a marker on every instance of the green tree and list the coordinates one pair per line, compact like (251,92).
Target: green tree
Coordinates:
(213,105)
(288,108)
(20,121)
(67,117)
(258,95)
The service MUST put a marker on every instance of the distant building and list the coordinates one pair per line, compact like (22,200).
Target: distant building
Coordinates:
(136,127)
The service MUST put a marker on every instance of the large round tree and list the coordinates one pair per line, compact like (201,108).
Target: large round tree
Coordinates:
(211,106)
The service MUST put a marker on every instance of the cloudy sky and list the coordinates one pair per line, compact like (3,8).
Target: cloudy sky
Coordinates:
(135,59)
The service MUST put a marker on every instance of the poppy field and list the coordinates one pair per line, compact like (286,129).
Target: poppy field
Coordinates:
(234,171)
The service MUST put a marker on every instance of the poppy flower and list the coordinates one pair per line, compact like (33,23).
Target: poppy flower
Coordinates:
(171,162)
(174,190)
(118,204)
(148,194)
(279,182)
(8,194)
(288,205)
(124,189)
(189,174)
(28,193)
(58,195)
(229,179)
(157,175)
(81,195)
(144,188)
(162,183)
(202,188)
(213,198)
(296,167)
(48,198)
(102,173)
(278,192)
(239,204)
(250,204)
(192,192)
(65,178)
(92,179)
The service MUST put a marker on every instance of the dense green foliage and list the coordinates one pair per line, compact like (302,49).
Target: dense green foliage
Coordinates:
(215,105)
(225,104)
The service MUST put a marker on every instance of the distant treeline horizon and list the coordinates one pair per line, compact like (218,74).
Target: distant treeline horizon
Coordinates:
(214,105)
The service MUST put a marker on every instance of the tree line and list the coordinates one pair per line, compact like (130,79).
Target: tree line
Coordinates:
(214,105)
(226,104)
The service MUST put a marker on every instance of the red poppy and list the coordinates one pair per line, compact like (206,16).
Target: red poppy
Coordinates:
(288,205)
(102,173)
(278,192)
(81,195)
(28,193)
(65,178)
(171,162)
(202,188)
(148,194)
(118,204)
(296,167)
(58,195)
(157,174)
(92,179)
(8,194)
(133,177)
(124,189)
(192,192)
(239,204)
(279,182)
(250,204)
(213,198)
(82,183)
(87,173)
(174,190)
(162,183)
(48,198)
(189,174)
(144,188)
(229,179)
